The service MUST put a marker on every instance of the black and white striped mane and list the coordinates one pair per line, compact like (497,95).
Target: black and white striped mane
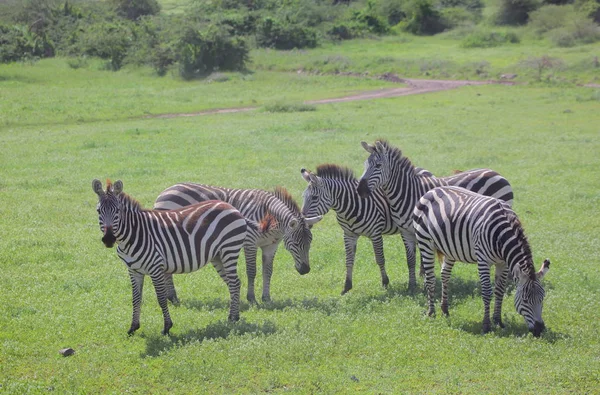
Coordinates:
(329,170)
(130,203)
(395,155)
(529,269)
(282,194)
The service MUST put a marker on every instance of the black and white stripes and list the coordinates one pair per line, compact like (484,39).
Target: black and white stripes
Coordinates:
(153,242)
(279,208)
(468,227)
(403,185)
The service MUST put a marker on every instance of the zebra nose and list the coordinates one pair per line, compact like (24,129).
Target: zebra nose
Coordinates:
(363,189)
(109,238)
(538,328)
(303,269)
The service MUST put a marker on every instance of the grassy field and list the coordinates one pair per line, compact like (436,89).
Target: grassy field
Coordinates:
(62,288)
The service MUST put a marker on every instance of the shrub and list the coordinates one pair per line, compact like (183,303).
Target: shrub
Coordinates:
(369,20)
(487,39)
(515,12)
(272,33)
(201,52)
(107,40)
(579,30)
(457,16)
(548,17)
(541,64)
(590,8)
(343,31)
(392,10)
(422,18)
(20,43)
(134,9)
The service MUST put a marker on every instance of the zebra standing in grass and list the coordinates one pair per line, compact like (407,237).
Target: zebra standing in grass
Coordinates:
(334,187)
(285,223)
(153,242)
(403,185)
(468,227)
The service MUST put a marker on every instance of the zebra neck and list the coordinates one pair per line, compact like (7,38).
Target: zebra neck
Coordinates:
(342,193)
(130,223)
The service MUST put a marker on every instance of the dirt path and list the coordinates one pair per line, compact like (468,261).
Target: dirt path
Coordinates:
(414,87)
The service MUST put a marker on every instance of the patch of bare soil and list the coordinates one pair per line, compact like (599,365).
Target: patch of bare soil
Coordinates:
(414,87)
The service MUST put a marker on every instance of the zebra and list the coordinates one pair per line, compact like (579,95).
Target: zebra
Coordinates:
(403,185)
(154,242)
(469,227)
(286,223)
(334,187)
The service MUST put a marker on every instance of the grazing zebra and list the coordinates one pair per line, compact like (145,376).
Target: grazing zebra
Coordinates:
(403,185)
(153,242)
(468,227)
(287,224)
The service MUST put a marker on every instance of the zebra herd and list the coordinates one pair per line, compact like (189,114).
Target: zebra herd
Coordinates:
(464,217)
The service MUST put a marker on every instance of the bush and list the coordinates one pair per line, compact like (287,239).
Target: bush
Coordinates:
(107,40)
(515,12)
(549,17)
(393,10)
(20,43)
(457,16)
(368,19)
(134,9)
(271,33)
(579,30)
(422,18)
(343,31)
(199,53)
(487,39)
(590,8)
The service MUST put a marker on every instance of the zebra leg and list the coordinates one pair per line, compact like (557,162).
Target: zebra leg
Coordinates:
(447,266)
(171,292)
(227,268)
(380,259)
(250,254)
(137,286)
(268,255)
(350,247)
(411,259)
(428,263)
(158,280)
(499,289)
(486,293)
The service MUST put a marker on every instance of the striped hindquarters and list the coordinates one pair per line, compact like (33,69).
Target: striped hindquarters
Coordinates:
(483,181)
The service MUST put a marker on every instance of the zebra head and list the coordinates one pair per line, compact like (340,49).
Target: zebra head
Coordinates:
(529,297)
(377,169)
(108,209)
(297,238)
(316,198)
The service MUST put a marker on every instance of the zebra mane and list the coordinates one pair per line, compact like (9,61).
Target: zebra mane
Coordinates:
(130,203)
(522,239)
(282,194)
(396,155)
(329,170)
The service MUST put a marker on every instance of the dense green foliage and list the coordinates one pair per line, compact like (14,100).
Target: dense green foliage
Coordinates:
(205,36)
(61,287)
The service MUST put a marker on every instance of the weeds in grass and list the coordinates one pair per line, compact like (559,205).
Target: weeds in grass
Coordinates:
(289,107)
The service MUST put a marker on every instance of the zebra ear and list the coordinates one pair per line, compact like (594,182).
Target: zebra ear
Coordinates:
(308,176)
(118,187)
(313,220)
(379,147)
(544,269)
(293,224)
(369,148)
(97,187)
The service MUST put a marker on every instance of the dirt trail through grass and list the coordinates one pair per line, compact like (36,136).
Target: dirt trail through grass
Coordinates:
(414,87)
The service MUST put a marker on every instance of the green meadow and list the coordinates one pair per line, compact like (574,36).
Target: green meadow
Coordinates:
(60,287)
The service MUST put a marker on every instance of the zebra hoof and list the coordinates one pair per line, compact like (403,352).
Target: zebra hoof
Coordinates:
(252,300)
(385,282)
(266,299)
(445,310)
(167,327)
(499,323)
(133,328)
(174,300)
(234,318)
(486,329)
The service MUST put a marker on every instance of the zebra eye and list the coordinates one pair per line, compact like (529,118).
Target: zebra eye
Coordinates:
(377,165)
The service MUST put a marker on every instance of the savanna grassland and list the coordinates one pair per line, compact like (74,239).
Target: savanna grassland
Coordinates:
(62,288)
(67,120)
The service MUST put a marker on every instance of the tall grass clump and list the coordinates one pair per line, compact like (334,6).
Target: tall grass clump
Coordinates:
(488,39)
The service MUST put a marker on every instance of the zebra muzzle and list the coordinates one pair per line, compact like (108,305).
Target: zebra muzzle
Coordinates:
(363,189)
(109,238)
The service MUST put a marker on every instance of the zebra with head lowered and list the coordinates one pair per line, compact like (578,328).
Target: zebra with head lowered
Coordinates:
(154,242)
(468,227)
(285,222)
(334,187)
(403,185)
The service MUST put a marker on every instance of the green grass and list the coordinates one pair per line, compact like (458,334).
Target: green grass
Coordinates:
(51,92)
(441,56)
(62,288)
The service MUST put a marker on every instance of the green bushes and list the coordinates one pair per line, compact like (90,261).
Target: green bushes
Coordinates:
(488,39)
(20,43)
(134,9)
(272,33)
(422,18)
(515,12)
(565,26)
